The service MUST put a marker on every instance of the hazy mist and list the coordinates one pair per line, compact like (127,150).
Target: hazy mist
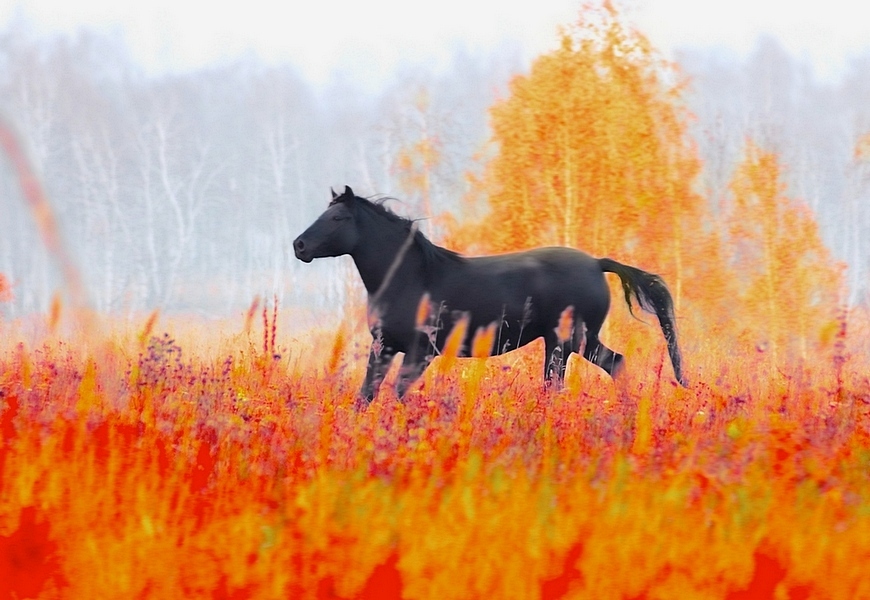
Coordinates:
(184,191)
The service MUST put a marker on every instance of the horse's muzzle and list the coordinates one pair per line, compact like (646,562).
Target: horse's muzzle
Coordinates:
(302,252)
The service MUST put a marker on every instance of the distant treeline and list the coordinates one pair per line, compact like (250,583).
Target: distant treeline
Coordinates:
(183,191)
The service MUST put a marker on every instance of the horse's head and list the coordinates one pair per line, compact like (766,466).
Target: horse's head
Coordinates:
(334,233)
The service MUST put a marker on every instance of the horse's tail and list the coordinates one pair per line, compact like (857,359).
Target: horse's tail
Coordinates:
(653,296)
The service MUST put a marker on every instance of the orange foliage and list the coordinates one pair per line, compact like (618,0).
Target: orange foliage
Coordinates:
(790,285)
(592,152)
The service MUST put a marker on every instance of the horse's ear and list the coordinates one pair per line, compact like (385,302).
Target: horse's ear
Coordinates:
(334,195)
(348,191)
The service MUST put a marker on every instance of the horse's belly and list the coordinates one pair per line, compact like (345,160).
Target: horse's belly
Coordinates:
(525,297)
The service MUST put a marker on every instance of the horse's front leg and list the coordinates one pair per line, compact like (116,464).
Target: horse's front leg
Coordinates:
(408,374)
(415,362)
(380,358)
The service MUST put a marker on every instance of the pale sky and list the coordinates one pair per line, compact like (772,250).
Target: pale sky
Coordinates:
(369,38)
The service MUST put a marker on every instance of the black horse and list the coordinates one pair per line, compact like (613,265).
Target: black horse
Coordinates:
(419,291)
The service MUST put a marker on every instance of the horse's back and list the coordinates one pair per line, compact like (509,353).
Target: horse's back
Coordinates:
(540,282)
(550,271)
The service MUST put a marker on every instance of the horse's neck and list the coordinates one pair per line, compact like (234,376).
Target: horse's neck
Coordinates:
(375,259)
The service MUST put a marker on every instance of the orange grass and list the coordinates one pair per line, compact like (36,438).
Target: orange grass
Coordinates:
(151,471)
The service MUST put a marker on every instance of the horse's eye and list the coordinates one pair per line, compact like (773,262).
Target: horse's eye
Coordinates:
(339,217)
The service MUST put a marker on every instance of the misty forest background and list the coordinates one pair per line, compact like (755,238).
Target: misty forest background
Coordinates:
(184,191)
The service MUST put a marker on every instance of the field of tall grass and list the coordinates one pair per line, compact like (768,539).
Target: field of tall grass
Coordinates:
(171,460)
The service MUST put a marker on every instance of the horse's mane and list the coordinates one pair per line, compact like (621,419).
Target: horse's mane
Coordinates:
(432,253)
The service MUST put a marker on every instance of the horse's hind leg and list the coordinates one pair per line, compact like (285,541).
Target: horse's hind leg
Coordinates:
(602,356)
(555,361)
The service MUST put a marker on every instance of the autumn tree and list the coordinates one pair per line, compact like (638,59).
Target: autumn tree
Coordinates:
(591,151)
(790,285)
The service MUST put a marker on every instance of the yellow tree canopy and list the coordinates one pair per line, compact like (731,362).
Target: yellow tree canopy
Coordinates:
(790,285)
(592,152)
